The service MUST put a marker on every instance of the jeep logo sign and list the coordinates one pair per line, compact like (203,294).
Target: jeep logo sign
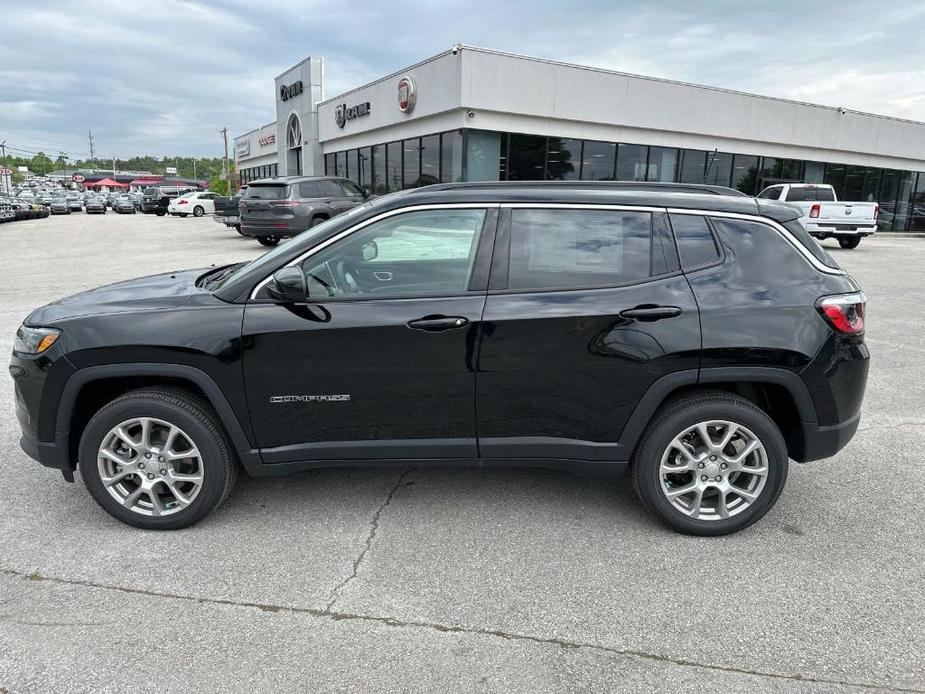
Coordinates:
(287,91)
(343,113)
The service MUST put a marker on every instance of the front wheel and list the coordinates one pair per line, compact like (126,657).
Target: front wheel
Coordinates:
(849,241)
(157,459)
(198,211)
(160,214)
(268,240)
(710,463)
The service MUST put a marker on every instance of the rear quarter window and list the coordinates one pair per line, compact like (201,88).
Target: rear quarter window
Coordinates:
(758,250)
(696,244)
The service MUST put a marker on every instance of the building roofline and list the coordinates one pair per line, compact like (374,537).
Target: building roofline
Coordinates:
(253,130)
(664,80)
(298,64)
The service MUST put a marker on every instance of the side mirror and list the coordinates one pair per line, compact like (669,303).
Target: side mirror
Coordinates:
(288,284)
(370,250)
(366,192)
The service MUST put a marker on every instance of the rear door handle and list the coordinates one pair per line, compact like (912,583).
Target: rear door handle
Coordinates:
(436,324)
(648,312)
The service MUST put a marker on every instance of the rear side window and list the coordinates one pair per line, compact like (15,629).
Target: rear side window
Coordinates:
(570,249)
(696,244)
(270,192)
(310,189)
(822,255)
(760,249)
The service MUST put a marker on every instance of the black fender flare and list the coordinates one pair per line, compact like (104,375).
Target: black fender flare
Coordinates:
(665,386)
(247,454)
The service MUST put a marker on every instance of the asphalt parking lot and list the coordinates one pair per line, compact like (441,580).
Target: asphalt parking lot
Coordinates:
(378,580)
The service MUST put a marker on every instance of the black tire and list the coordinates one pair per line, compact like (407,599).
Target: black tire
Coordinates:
(198,211)
(160,214)
(316,221)
(268,240)
(849,241)
(237,228)
(193,416)
(686,411)
(183,215)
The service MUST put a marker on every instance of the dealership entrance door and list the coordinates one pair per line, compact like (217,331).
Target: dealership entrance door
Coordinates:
(294,146)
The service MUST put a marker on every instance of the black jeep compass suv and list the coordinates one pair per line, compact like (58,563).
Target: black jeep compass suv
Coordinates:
(699,339)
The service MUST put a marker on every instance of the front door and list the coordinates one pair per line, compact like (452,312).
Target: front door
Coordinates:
(586,309)
(379,361)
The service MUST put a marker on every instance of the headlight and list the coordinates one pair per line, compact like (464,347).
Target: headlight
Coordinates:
(34,340)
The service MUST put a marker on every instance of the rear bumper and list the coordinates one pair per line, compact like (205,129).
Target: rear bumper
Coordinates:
(826,229)
(825,441)
(280,229)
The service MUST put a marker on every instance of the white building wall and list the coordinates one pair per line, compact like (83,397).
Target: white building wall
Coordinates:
(256,154)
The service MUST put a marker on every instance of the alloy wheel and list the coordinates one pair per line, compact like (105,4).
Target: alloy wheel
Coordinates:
(150,466)
(713,470)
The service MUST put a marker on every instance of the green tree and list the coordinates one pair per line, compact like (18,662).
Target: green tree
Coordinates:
(41,164)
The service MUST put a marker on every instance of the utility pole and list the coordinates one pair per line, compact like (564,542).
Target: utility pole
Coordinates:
(92,159)
(3,163)
(227,171)
(114,167)
(194,170)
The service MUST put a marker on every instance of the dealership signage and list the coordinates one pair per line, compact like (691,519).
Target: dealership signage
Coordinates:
(5,171)
(407,94)
(287,91)
(343,113)
(77,178)
(244,148)
(267,140)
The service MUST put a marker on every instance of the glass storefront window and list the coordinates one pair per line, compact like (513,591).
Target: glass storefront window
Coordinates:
(663,164)
(393,163)
(814,172)
(872,180)
(563,159)
(904,200)
(411,150)
(451,157)
(484,156)
(597,161)
(854,182)
(526,158)
(745,173)
(340,163)
(430,160)
(631,162)
(917,214)
(379,184)
(835,177)
(719,169)
(364,167)
(693,165)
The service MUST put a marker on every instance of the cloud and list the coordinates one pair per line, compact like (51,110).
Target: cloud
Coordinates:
(164,78)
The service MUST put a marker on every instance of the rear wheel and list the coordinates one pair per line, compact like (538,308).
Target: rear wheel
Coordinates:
(198,211)
(237,228)
(316,221)
(157,458)
(849,241)
(268,240)
(160,214)
(710,463)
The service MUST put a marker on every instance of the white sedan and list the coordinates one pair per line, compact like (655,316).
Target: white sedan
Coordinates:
(196,204)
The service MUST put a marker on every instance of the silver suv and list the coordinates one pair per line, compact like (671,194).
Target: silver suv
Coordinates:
(276,208)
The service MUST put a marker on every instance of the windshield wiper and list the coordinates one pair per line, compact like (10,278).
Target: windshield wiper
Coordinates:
(211,279)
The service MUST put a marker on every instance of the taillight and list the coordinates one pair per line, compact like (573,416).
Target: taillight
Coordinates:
(844,312)
(814,211)
(876,212)
(284,203)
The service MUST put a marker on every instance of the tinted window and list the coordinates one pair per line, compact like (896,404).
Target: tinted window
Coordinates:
(351,189)
(527,158)
(310,189)
(416,253)
(412,163)
(797,230)
(430,160)
(563,159)
(597,161)
(759,248)
(560,249)
(631,162)
(330,189)
(696,244)
(770,194)
(810,194)
(266,192)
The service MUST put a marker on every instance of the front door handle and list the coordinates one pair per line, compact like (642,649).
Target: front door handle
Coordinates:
(650,312)
(436,324)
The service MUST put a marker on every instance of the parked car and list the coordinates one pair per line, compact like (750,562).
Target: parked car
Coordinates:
(824,216)
(123,205)
(59,206)
(6,211)
(699,340)
(196,203)
(75,203)
(95,205)
(39,211)
(226,210)
(155,199)
(278,208)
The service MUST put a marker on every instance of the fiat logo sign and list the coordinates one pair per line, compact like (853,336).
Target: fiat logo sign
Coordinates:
(407,94)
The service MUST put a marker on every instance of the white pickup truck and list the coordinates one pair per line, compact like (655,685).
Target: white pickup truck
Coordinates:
(823,215)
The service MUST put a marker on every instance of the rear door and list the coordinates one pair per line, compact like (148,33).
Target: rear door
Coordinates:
(586,310)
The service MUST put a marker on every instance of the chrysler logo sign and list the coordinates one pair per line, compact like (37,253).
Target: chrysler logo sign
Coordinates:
(287,91)
(343,113)
(407,94)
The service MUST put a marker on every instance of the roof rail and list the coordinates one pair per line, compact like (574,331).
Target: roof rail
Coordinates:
(594,185)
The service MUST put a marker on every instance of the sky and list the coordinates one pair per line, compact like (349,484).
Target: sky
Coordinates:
(163,77)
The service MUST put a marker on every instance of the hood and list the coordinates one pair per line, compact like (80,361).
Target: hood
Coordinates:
(169,290)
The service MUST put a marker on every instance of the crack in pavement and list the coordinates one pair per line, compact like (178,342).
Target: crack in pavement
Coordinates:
(471,631)
(373,529)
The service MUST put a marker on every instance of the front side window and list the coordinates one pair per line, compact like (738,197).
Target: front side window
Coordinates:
(351,189)
(422,253)
(570,249)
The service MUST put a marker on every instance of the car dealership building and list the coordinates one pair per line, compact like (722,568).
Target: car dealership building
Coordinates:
(471,114)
